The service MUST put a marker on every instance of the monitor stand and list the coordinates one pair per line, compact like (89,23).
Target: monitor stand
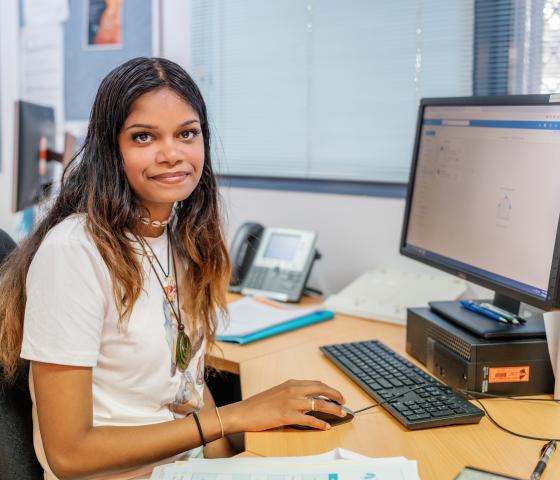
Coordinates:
(488,328)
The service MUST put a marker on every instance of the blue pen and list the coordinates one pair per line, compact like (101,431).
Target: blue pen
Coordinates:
(510,317)
(473,307)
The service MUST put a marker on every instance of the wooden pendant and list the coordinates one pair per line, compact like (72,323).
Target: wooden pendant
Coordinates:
(183,350)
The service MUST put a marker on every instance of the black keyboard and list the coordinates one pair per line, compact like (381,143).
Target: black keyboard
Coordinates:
(413,397)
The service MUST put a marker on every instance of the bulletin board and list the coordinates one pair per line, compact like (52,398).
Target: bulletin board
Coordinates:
(85,64)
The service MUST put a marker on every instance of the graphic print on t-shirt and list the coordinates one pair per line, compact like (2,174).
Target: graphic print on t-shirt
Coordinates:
(188,397)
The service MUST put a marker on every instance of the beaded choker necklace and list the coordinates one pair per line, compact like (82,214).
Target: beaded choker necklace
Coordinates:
(182,349)
(154,223)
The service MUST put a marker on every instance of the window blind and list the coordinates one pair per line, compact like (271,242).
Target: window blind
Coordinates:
(324,89)
(549,49)
(517,47)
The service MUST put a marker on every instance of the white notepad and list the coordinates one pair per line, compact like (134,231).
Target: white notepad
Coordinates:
(385,294)
(255,318)
(253,314)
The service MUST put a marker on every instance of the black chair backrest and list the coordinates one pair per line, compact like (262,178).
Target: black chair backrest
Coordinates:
(17,456)
(6,245)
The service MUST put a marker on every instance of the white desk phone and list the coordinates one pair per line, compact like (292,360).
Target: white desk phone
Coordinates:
(273,262)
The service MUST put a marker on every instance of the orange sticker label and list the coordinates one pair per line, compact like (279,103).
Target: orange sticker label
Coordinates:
(508,374)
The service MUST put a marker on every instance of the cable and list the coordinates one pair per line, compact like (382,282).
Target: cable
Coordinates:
(312,291)
(378,404)
(470,394)
(507,397)
(367,408)
(501,427)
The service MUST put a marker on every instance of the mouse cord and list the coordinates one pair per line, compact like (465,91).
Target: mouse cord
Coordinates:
(474,394)
(471,394)
(389,400)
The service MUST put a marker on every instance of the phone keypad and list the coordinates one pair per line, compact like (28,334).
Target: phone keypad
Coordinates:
(256,277)
(273,280)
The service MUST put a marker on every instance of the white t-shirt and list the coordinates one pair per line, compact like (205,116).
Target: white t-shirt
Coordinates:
(71,319)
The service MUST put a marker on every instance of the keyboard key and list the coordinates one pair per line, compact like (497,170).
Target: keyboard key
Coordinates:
(384,394)
(442,413)
(419,416)
(384,383)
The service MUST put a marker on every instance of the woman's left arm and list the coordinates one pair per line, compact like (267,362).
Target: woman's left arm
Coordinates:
(218,448)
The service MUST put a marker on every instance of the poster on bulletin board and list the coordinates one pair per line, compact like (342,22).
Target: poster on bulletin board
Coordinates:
(103,24)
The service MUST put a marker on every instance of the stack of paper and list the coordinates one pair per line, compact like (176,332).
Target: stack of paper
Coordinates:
(253,318)
(337,464)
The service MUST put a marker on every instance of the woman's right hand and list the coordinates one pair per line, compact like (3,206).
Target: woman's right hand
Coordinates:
(285,404)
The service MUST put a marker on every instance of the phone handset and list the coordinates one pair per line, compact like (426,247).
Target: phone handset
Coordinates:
(242,252)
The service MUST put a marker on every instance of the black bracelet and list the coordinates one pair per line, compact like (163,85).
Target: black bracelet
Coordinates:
(202,439)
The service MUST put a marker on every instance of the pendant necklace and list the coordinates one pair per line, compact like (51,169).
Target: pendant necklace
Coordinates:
(169,284)
(182,348)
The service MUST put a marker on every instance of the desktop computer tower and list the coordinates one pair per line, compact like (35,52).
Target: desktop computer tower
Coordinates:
(465,361)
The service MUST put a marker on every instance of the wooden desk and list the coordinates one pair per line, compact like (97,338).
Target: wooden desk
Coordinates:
(229,356)
(441,452)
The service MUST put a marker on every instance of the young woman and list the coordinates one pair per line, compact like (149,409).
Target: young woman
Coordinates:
(113,298)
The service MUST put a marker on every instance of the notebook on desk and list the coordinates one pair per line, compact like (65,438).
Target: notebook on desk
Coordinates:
(386,293)
(255,318)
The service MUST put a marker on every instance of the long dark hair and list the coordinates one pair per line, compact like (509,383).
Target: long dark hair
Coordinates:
(95,184)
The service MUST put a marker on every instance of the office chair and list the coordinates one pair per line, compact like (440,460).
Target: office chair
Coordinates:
(17,456)
(6,245)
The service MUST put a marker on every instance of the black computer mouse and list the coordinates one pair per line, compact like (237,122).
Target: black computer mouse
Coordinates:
(331,419)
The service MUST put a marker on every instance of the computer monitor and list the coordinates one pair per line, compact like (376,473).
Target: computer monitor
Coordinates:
(483,200)
(32,122)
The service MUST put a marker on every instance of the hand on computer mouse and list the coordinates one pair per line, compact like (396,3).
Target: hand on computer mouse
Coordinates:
(285,404)
(332,420)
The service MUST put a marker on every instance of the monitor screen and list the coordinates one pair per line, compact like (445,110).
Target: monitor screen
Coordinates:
(484,194)
(32,122)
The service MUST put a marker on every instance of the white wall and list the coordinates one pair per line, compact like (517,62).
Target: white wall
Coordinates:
(9,78)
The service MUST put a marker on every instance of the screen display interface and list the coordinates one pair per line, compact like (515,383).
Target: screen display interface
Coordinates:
(282,247)
(487,191)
